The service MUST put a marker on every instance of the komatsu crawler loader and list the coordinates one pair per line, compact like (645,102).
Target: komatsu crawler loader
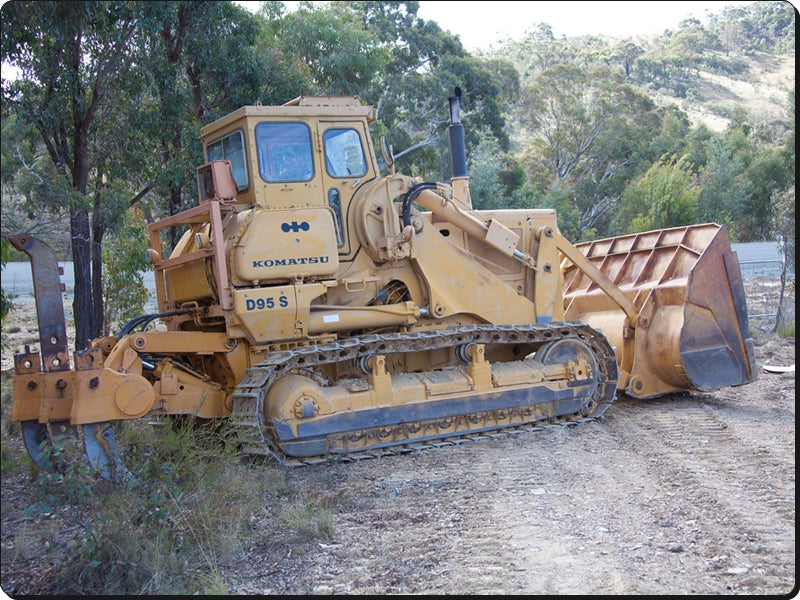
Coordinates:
(327,311)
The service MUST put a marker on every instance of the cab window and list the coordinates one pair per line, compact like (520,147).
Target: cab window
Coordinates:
(230,147)
(344,156)
(284,152)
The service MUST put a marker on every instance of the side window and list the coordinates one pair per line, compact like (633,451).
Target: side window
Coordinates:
(231,147)
(344,156)
(284,152)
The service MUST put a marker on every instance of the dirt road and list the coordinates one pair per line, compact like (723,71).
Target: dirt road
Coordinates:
(688,494)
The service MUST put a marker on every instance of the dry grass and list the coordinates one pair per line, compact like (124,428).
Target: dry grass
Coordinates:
(764,94)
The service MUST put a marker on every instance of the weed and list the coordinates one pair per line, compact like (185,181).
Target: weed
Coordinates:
(26,542)
(212,583)
(11,460)
(309,519)
(786,330)
(187,512)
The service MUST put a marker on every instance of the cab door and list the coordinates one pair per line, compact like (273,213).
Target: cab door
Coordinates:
(345,168)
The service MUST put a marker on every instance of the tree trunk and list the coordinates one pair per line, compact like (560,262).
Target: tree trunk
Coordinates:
(779,311)
(83,302)
(98,232)
(82,308)
(175,206)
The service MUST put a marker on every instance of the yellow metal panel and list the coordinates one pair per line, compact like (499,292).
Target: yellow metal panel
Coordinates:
(268,313)
(284,244)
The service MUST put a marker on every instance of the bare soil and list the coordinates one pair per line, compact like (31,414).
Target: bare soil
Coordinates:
(687,494)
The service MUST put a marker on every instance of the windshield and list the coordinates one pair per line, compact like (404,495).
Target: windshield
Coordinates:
(284,152)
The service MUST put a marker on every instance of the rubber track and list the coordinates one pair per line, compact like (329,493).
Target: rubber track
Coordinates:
(249,396)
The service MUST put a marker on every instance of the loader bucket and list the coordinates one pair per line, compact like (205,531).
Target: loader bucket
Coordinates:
(690,329)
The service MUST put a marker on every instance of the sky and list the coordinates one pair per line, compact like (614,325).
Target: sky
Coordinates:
(480,25)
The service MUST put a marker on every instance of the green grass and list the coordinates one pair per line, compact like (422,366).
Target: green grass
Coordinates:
(786,330)
(194,509)
(309,519)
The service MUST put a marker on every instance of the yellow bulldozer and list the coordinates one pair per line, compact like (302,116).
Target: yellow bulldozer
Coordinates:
(326,310)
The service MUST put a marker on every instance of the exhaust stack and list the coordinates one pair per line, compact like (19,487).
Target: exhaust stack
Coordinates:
(458,154)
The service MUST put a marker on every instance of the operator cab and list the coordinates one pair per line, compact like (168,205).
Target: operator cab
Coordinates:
(287,174)
(309,152)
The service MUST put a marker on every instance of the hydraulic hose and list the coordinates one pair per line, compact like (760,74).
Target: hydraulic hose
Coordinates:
(411,194)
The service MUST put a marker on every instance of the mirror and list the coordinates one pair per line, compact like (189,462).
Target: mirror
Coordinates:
(386,151)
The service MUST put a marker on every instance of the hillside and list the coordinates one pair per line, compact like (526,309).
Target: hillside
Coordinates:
(763,93)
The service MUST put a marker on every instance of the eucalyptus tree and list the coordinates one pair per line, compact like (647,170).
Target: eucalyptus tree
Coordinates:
(767,25)
(590,132)
(726,191)
(70,56)
(622,54)
(665,196)
(339,55)
(771,169)
(286,73)
(32,190)
(537,51)
(201,62)
(427,64)
(117,92)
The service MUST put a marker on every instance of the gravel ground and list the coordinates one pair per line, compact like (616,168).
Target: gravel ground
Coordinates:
(686,494)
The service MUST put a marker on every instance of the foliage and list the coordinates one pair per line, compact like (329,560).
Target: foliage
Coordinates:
(763,26)
(786,331)
(592,133)
(560,197)
(71,58)
(664,197)
(567,138)
(426,65)
(201,60)
(486,189)
(124,291)
(5,300)
(34,196)
(192,510)
(724,191)
(186,513)
(338,54)
(309,519)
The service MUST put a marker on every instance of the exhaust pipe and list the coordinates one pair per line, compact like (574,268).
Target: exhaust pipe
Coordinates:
(458,148)
(458,154)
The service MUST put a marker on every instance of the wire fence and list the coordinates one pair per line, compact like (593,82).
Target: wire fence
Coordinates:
(762,286)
